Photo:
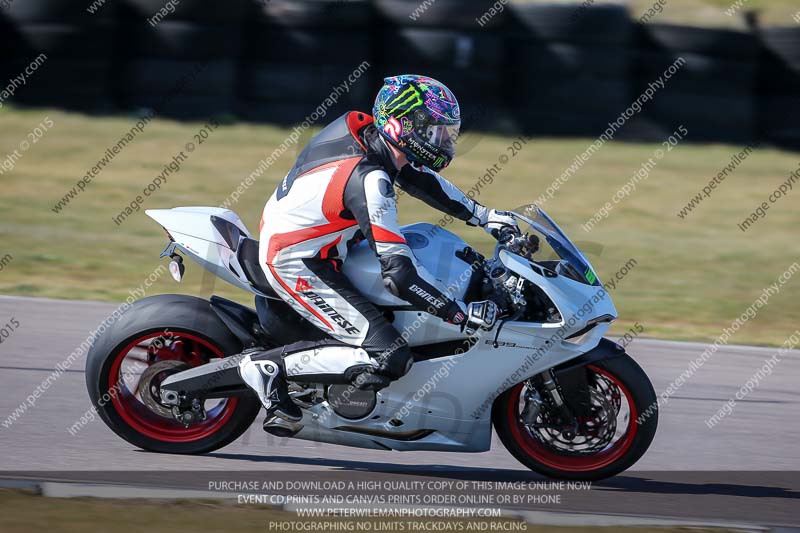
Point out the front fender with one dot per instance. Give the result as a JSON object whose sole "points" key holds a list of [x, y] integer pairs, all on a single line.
{"points": [[605, 349], [571, 378]]}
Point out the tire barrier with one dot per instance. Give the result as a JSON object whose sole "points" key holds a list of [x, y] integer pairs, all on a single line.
{"points": [[445, 40], [469, 63], [73, 54], [297, 52], [778, 87], [569, 67], [547, 69], [453, 14], [713, 94], [179, 58], [569, 23]]}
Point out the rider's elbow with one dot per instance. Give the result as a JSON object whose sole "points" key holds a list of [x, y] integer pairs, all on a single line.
{"points": [[395, 270]]}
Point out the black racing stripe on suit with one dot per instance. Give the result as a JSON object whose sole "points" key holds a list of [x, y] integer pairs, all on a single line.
{"points": [[401, 279], [382, 338], [333, 143], [424, 186], [355, 198], [378, 150], [399, 272], [277, 354]]}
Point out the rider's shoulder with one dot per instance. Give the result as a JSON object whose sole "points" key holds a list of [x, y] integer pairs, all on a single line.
{"points": [[354, 121]]}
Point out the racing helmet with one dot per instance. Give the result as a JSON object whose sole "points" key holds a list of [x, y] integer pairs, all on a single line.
{"points": [[419, 116]]}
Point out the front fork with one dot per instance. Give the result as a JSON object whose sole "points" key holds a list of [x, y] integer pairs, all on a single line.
{"points": [[544, 384]]}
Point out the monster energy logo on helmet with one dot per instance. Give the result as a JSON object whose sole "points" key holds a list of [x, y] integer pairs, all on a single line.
{"points": [[421, 149], [409, 99], [419, 116]]}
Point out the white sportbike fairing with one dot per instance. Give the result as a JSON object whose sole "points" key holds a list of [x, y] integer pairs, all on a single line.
{"points": [[538, 375]]}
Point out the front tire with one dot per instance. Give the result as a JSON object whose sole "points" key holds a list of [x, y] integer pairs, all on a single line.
{"points": [[636, 430], [168, 330]]}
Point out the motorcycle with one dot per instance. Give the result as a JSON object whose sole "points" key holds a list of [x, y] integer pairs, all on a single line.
{"points": [[565, 401]]}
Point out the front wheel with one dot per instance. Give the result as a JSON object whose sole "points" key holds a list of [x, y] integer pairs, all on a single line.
{"points": [[622, 424]]}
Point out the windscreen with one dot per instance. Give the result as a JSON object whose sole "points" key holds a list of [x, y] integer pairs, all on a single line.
{"points": [[572, 261]]}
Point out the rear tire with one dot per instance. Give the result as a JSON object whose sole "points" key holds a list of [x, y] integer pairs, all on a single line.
{"points": [[178, 318], [634, 386]]}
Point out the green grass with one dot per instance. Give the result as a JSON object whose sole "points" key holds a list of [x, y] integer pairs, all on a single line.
{"points": [[693, 276], [705, 13]]}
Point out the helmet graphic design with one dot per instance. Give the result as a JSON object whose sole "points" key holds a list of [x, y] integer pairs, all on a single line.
{"points": [[419, 116]]}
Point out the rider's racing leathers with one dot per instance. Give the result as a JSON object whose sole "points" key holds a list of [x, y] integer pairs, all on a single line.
{"points": [[340, 191]]}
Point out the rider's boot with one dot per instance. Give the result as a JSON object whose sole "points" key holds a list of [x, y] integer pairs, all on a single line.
{"points": [[325, 362], [263, 372]]}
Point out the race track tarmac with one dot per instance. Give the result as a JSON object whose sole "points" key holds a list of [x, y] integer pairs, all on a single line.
{"points": [[744, 469]]}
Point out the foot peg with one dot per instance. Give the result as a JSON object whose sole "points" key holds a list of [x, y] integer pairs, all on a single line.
{"points": [[287, 410], [280, 427]]}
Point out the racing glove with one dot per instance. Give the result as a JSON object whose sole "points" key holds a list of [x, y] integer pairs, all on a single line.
{"points": [[476, 315], [497, 221]]}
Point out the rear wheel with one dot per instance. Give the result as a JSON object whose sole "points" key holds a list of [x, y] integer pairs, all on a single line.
{"points": [[621, 425], [155, 338]]}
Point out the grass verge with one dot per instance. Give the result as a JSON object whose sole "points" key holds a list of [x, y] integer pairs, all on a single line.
{"points": [[693, 276]]}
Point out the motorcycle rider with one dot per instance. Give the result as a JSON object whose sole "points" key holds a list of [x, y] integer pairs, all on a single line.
{"points": [[340, 191]]}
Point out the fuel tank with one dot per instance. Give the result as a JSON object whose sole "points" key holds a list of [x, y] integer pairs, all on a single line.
{"points": [[433, 246]]}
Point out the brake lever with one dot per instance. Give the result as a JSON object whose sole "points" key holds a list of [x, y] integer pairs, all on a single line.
{"points": [[533, 242], [502, 323]]}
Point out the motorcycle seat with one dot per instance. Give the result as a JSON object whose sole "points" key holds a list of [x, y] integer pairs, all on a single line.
{"points": [[247, 254]]}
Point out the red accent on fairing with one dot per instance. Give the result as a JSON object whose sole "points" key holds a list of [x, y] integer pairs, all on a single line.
{"points": [[136, 415], [574, 464], [384, 235], [357, 120], [325, 251]]}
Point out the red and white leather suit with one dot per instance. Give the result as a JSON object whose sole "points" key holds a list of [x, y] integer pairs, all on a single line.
{"points": [[341, 190]]}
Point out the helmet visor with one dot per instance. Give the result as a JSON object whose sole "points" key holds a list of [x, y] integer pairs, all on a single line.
{"points": [[443, 136]]}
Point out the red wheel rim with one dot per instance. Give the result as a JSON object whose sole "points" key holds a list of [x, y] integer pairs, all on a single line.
{"points": [[568, 463], [194, 351]]}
